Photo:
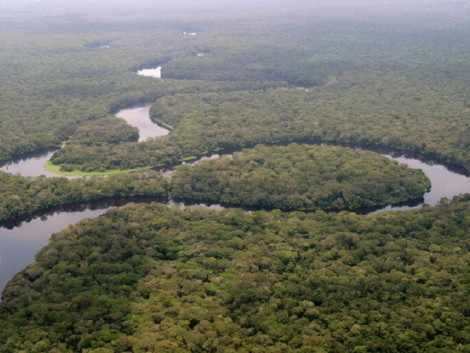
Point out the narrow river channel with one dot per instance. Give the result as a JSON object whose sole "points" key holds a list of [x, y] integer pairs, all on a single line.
{"points": [[19, 244]]}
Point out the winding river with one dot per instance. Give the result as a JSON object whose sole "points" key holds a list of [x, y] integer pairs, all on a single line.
{"points": [[444, 183], [140, 118], [19, 244]]}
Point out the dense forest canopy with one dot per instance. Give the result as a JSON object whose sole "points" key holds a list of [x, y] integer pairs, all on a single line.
{"points": [[300, 177], [68, 68], [289, 178], [147, 278], [235, 74], [20, 197]]}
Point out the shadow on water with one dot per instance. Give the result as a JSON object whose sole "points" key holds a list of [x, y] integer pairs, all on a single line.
{"points": [[30, 166], [139, 117], [78, 207], [22, 239], [406, 205]]}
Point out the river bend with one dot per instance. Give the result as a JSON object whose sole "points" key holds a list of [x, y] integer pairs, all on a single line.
{"points": [[19, 244]]}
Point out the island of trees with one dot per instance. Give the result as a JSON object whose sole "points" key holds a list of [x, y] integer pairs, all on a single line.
{"points": [[295, 177], [300, 177]]}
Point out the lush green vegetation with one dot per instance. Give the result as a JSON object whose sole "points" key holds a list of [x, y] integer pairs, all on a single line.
{"points": [[64, 171], [147, 278], [151, 279], [385, 80], [314, 178], [382, 114], [106, 130], [58, 79], [20, 197], [55, 87], [300, 177]]}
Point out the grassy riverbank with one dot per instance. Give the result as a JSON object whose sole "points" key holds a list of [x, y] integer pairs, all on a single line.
{"points": [[57, 169]]}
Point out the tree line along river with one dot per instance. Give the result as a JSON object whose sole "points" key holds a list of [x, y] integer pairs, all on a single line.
{"points": [[20, 243]]}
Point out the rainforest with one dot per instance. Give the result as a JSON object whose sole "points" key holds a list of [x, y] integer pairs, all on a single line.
{"points": [[283, 116]]}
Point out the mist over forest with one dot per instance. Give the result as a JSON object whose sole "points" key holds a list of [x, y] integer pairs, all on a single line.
{"points": [[263, 221], [262, 8]]}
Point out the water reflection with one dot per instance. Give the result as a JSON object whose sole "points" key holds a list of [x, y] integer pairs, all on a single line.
{"points": [[30, 166], [19, 245], [21, 240], [155, 72], [140, 118], [444, 183]]}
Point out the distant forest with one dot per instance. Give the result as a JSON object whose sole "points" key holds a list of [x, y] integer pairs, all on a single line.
{"points": [[266, 82], [375, 82]]}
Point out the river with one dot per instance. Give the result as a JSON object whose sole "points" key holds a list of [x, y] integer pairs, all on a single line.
{"points": [[19, 244], [155, 72], [31, 166], [444, 183], [140, 118]]}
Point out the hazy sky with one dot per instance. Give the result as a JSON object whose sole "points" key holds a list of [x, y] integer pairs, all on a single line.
{"points": [[345, 8], [220, 4]]}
